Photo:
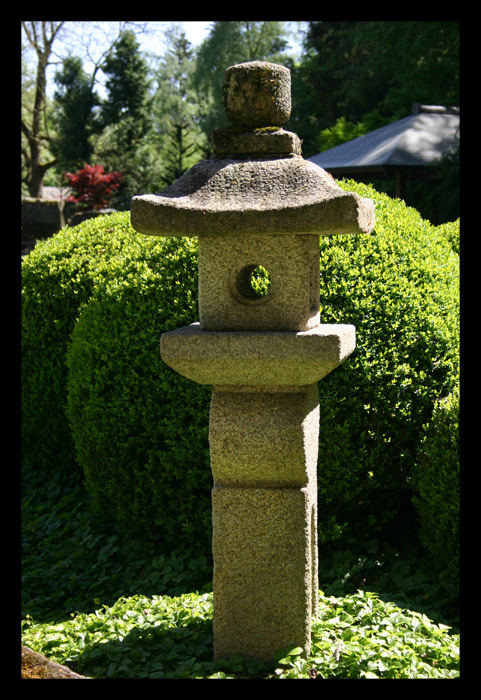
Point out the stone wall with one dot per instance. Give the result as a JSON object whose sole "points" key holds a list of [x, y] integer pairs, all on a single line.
{"points": [[41, 217]]}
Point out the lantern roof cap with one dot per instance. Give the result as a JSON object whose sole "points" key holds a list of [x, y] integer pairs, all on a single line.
{"points": [[264, 195], [257, 180]]}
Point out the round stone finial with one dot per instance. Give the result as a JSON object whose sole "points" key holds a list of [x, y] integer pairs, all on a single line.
{"points": [[257, 94]]}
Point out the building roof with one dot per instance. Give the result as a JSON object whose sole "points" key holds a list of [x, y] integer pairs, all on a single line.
{"points": [[421, 139]]}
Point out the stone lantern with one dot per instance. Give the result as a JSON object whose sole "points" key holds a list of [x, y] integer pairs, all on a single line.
{"points": [[258, 207]]}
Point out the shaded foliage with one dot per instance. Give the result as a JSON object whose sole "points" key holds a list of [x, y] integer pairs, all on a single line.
{"points": [[362, 70], [436, 484], [74, 103]]}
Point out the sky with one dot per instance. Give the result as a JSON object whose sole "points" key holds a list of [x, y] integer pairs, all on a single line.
{"points": [[198, 31], [151, 41]]}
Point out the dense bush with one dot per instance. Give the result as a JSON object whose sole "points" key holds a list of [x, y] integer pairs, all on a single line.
{"points": [[436, 483], [450, 231], [58, 278], [399, 287], [141, 430]]}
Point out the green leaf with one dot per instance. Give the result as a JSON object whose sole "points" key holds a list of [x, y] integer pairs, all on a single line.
{"points": [[296, 651]]}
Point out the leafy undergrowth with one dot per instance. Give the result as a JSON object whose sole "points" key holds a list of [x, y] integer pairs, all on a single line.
{"points": [[109, 608], [356, 636]]}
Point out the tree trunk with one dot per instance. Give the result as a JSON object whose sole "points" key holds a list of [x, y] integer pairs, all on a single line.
{"points": [[41, 36], [37, 172]]}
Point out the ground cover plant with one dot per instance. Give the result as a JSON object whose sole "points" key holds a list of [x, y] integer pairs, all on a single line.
{"points": [[108, 607], [159, 637]]}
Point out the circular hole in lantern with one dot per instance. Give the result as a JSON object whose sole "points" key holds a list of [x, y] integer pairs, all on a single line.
{"points": [[253, 282]]}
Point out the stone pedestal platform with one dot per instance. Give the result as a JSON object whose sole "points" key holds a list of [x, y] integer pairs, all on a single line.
{"points": [[254, 358]]}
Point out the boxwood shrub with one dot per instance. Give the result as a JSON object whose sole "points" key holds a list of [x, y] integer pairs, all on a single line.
{"points": [[436, 484], [140, 430], [400, 287], [450, 231], [58, 277]]}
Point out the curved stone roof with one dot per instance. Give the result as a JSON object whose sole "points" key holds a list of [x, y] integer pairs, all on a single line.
{"points": [[283, 195]]}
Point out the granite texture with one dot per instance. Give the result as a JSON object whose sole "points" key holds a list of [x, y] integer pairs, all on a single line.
{"points": [[233, 142], [257, 93], [255, 358], [265, 570], [263, 438], [263, 196], [225, 299]]}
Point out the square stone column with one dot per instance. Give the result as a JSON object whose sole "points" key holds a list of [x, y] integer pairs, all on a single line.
{"points": [[265, 574], [263, 447]]}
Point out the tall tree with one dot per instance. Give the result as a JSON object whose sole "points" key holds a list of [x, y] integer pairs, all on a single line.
{"points": [[126, 116], [375, 71], [127, 86], [40, 36], [74, 102], [229, 43], [181, 141]]}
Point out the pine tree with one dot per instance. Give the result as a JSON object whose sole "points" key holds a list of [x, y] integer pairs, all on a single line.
{"points": [[74, 102], [124, 144], [181, 142], [127, 104]]}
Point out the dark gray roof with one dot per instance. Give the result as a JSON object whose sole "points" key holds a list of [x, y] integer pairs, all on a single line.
{"points": [[417, 140]]}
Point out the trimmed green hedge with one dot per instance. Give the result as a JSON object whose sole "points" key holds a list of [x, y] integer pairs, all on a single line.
{"points": [[140, 430], [400, 287], [436, 483], [450, 231], [58, 279]]}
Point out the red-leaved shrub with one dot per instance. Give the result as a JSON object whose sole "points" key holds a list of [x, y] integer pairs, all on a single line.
{"points": [[92, 186]]}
